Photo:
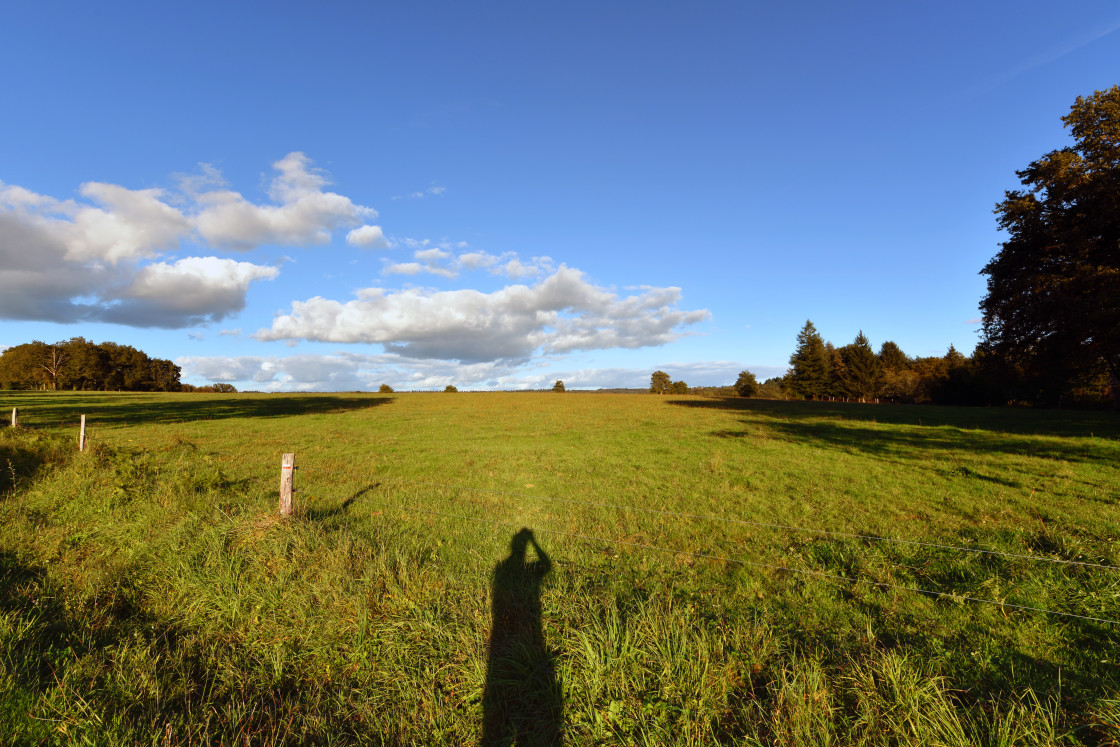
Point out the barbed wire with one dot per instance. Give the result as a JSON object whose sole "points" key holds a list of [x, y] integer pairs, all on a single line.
{"points": [[746, 522], [738, 561]]}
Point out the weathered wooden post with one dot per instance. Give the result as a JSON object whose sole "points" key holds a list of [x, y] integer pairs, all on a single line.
{"points": [[15, 417], [287, 477], [82, 435]]}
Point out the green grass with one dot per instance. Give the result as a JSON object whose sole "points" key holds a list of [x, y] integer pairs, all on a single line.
{"points": [[149, 594]]}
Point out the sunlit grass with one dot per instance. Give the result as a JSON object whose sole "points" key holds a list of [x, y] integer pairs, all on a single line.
{"points": [[148, 589]]}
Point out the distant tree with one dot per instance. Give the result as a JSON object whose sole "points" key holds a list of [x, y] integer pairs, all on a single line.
{"points": [[954, 358], [86, 367], [164, 375], [1052, 310], [52, 360], [809, 364], [746, 385], [678, 387], [891, 357], [660, 383], [861, 369], [385, 389], [19, 367], [899, 385], [223, 388], [773, 388], [558, 386], [837, 372], [450, 388]]}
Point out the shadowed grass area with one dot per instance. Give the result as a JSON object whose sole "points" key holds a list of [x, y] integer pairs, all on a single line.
{"points": [[148, 591], [51, 409]]}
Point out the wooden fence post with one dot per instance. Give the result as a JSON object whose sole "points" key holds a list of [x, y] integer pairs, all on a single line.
{"points": [[82, 435], [15, 417], [287, 477]]}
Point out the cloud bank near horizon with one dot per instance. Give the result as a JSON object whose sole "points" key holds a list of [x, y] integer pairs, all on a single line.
{"points": [[345, 371]]}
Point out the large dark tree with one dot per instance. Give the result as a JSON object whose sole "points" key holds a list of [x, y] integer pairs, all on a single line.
{"points": [[861, 369], [1053, 305], [891, 357], [809, 364]]}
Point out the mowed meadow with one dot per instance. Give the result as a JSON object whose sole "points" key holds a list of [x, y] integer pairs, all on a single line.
{"points": [[666, 592]]}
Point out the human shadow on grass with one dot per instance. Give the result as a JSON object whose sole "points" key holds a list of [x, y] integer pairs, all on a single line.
{"points": [[138, 409], [522, 700]]}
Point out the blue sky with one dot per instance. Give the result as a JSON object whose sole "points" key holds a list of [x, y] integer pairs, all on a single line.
{"points": [[334, 196]]}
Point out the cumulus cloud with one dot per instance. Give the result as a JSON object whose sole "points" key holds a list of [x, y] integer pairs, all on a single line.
{"points": [[99, 258], [367, 237], [191, 291], [562, 313], [302, 212], [124, 225]]}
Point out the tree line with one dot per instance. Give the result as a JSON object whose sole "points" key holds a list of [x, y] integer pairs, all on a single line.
{"points": [[79, 364], [857, 373], [1051, 314]]}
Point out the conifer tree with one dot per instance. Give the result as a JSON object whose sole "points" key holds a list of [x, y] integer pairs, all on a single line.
{"points": [[891, 357], [861, 369], [809, 364]]}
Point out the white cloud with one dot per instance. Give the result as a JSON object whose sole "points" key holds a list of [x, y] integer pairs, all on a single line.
{"points": [[129, 224], [344, 371], [98, 259], [433, 191], [404, 268], [236, 332], [191, 291], [559, 314], [439, 259], [367, 237], [303, 213]]}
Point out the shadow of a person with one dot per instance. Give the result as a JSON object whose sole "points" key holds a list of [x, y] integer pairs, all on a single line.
{"points": [[522, 702]]}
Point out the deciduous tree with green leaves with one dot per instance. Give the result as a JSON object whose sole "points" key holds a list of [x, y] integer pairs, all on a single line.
{"points": [[746, 385], [660, 383]]}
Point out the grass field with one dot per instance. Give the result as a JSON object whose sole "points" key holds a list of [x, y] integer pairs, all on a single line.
{"points": [[149, 594]]}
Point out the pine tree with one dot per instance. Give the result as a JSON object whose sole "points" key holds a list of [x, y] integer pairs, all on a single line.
{"points": [[861, 369], [809, 364], [891, 357]]}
